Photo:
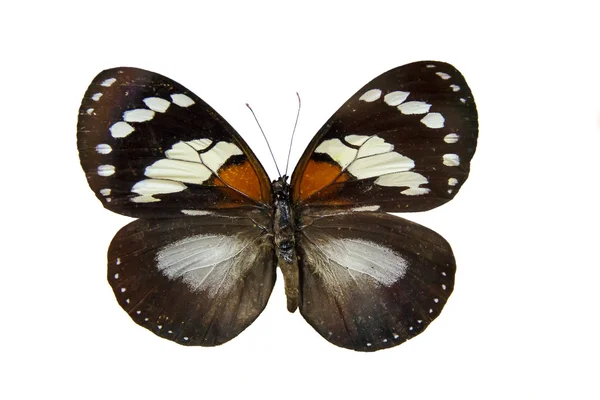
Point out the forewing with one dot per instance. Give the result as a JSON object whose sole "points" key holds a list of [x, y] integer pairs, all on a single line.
{"points": [[372, 280], [151, 148], [403, 142], [195, 281]]}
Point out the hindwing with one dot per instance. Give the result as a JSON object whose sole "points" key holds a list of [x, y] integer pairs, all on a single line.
{"points": [[372, 280], [194, 280]]}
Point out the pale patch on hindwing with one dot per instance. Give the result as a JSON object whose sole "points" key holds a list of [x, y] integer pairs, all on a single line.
{"points": [[339, 261], [207, 262]]}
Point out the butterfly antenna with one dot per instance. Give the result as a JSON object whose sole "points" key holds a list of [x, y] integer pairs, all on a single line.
{"points": [[263, 133], [287, 164]]}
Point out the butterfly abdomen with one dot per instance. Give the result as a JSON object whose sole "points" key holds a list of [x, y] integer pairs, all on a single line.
{"points": [[283, 227]]}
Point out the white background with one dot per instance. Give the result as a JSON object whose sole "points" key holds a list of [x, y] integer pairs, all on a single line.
{"points": [[523, 320]]}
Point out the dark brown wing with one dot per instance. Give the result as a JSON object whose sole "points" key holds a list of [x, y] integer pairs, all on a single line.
{"points": [[195, 280], [372, 280], [151, 148], [402, 143]]}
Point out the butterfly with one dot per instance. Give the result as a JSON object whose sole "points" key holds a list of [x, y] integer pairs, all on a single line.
{"points": [[198, 265]]}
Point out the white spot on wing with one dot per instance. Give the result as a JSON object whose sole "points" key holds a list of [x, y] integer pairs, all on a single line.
{"points": [[395, 98], [183, 151], [89, 111], [356, 140], [182, 100], [105, 192], [108, 82], [338, 151], [430, 66], [375, 145], [150, 187], [106, 170], [371, 95], [96, 96], [103, 149], [380, 164], [175, 170], [188, 151], [366, 208], [196, 212], [433, 120], [443, 75], [451, 138], [121, 129], [451, 160], [414, 107], [455, 88], [157, 104], [409, 179], [138, 115], [452, 181], [200, 144], [219, 154]]}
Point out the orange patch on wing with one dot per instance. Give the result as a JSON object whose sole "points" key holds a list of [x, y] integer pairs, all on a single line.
{"points": [[242, 177], [317, 175]]}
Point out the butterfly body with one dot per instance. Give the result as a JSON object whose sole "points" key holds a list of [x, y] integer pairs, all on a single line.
{"points": [[285, 242], [198, 266]]}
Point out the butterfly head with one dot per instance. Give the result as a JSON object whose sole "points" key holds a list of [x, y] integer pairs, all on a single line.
{"points": [[281, 189]]}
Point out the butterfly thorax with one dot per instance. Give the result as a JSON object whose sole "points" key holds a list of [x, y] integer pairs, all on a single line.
{"points": [[283, 228]]}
